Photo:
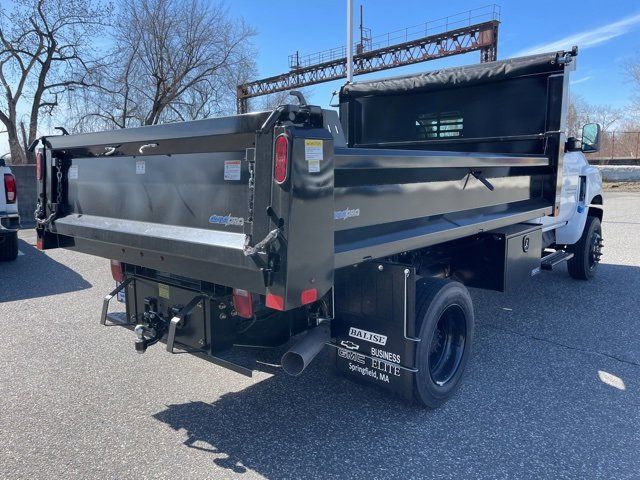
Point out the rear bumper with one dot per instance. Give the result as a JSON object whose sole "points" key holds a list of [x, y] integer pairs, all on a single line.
{"points": [[207, 255]]}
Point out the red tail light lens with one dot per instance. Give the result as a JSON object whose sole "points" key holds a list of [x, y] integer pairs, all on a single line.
{"points": [[281, 160], [243, 303], [116, 271], [10, 190], [39, 165]]}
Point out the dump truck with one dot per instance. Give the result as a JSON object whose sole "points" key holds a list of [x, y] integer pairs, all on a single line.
{"points": [[359, 229]]}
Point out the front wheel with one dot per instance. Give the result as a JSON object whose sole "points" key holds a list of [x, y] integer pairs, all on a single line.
{"points": [[587, 251], [445, 320]]}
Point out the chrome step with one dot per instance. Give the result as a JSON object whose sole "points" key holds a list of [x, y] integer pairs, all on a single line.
{"points": [[554, 259]]}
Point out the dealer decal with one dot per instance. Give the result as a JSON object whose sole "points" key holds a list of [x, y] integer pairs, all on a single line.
{"points": [[379, 372], [353, 356], [390, 356], [349, 344], [368, 336]]}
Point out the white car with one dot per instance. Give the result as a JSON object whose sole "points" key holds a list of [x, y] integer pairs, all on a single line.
{"points": [[9, 218]]}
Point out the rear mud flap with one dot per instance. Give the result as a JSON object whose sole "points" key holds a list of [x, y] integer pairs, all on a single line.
{"points": [[373, 332]]}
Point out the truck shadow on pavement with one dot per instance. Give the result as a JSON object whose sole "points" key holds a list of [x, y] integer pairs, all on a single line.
{"points": [[35, 274], [534, 402]]}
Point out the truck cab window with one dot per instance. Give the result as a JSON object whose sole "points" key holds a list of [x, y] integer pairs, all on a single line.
{"points": [[439, 125]]}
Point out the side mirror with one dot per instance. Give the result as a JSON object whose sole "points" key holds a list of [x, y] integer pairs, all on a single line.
{"points": [[590, 138]]}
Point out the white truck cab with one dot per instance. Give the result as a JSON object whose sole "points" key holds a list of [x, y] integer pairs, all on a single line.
{"points": [[9, 218], [581, 194], [577, 225]]}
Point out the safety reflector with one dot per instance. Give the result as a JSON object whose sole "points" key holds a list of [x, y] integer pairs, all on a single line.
{"points": [[309, 296], [243, 303], [275, 301], [116, 271]]}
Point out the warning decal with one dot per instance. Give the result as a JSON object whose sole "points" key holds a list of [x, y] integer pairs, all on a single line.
{"points": [[163, 290], [313, 154], [140, 167], [232, 169]]}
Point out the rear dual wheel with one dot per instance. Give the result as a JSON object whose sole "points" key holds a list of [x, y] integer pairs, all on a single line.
{"points": [[445, 322]]}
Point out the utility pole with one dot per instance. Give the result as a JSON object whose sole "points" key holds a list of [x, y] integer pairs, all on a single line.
{"points": [[361, 31], [349, 41]]}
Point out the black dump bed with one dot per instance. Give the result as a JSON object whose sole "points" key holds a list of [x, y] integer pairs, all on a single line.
{"points": [[426, 159]]}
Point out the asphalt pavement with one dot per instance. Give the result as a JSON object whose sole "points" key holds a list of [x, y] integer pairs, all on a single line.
{"points": [[552, 391]]}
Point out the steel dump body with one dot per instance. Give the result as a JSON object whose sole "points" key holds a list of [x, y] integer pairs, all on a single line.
{"points": [[189, 198], [419, 198]]}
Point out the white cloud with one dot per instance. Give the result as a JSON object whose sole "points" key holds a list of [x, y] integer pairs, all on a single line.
{"points": [[580, 80], [586, 39]]}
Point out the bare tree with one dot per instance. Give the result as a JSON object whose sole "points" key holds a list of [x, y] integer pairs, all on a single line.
{"points": [[575, 116], [43, 53], [581, 112], [172, 60], [633, 72], [272, 100]]}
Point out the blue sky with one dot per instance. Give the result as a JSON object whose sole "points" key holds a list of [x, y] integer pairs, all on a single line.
{"points": [[608, 34]]}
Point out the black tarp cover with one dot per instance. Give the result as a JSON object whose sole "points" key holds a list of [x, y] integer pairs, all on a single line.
{"points": [[458, 76]]}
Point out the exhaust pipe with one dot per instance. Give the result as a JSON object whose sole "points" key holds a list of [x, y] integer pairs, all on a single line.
{"points": [[304, 351]]}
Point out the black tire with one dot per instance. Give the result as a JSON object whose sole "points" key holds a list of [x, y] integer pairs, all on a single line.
{"points": [[587, 251], [8, 246], [445, 322]]}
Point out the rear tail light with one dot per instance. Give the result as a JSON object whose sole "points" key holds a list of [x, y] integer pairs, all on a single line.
{"points": [[39, 166], [281, 159], [10, 190], [243, 303], [116, 271]]}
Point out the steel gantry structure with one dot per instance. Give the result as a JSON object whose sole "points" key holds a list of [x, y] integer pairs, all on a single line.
{"points": [[474, 30]]}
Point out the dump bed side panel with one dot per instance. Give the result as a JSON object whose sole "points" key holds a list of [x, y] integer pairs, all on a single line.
{"points": [[391, 201]]}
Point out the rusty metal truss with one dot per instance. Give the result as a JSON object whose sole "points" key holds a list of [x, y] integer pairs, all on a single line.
{"points": [[481, 37]]}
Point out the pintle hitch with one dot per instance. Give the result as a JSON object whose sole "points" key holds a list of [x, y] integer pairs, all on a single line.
{"points": [[153, 327]]}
